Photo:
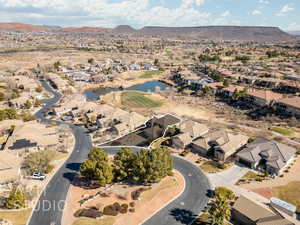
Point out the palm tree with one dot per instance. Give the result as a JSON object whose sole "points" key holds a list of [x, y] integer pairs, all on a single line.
{"points": [[220, 211]]}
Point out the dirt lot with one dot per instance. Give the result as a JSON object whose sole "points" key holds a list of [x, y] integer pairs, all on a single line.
{"points": [[150, 200]]}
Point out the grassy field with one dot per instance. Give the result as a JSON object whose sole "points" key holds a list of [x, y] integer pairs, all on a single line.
{"points": [[165, 184], [150, 74], [88, 221], [282, 130], [137, 99], [16, 217], [289, 193]]}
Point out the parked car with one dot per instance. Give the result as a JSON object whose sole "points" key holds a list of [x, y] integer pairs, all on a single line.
{"points": [[38, 176]]}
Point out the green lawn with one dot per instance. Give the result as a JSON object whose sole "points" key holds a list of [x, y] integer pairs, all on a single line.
{"points": [[289, 193], [282, 130], [150, 74], [16, 217], [138, 99], [89, 221]]}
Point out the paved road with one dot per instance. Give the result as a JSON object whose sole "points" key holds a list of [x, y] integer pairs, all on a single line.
{"points": [[182, 210]]}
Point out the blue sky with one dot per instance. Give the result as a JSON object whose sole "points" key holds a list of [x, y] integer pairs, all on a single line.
{"points": [[139, 13]]}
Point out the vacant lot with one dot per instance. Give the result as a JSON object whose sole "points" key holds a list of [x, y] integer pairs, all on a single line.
{"points": [[136, 99], [16, 217], [289, 193]]}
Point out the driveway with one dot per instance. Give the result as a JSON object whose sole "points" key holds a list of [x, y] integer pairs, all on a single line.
{"points": [[229, 176]]}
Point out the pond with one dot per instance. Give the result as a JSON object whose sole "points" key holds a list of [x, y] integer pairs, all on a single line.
{"points": [[150, 86]]}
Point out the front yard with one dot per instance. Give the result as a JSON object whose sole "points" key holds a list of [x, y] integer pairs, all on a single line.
{"points": [[17, 217]]}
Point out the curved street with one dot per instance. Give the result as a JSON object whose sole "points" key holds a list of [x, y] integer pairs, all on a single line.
{"points": [[48, 211]]}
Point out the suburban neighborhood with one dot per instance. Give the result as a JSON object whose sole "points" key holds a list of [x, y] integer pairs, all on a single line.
{"points": [[149, 126]]}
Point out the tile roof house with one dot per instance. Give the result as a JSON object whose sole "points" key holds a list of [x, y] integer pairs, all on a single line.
{"points": [[220, 143], [290, 105], [189, 130], [267, 155], [250, 212], [263, 97]]}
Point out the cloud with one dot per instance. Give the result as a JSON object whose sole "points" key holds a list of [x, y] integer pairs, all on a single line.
{"points": [[285, 9], [104, 13], [226, 13], [264, 1], [256, 12]]}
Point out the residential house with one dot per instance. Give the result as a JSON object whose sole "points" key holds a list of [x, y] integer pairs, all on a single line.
{"points": [[289, 106], [266, 155], [262, 97], [247, 211], [220, 143], [189, 130]]}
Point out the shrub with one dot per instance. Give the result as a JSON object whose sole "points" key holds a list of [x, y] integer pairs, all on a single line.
{"points": [[124, 208], [117, 206], [132, 210], [110, 211], [16, 199], [222, 166], [135, 195], [132, 204], [91, 213]]}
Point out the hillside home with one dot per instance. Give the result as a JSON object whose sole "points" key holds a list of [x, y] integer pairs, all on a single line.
{"points": [[267, 156]]}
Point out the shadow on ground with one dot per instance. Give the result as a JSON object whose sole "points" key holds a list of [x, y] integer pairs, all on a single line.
{"points": [[183, 216]]}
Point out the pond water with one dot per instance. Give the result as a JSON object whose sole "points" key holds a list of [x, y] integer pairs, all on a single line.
{"points": [[150, 86]]}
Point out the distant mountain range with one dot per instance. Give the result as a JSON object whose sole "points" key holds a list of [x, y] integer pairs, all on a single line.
{"points": [[215, 33], [297, 32]]}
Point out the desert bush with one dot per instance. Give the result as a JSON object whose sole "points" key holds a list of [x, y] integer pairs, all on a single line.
{"points": [[91, 213], [135, 195], [124, 208], [132, 204], [132, 210], [110, 210]]}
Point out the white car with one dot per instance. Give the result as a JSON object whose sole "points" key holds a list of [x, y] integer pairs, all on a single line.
{"points": [[38, 176]]}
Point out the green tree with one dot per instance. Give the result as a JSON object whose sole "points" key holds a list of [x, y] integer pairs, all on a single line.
{"points": [[28, 104], [87, 169], [150, 166], [223, 192], [98, 154], [220, 211], [56, 65], [38, 161], [97, 167], [104, 173], [122, 164], [226, 83], [16, 200]]}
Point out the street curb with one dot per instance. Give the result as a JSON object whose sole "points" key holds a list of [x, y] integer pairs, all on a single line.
{"points": [[173, 199]]}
